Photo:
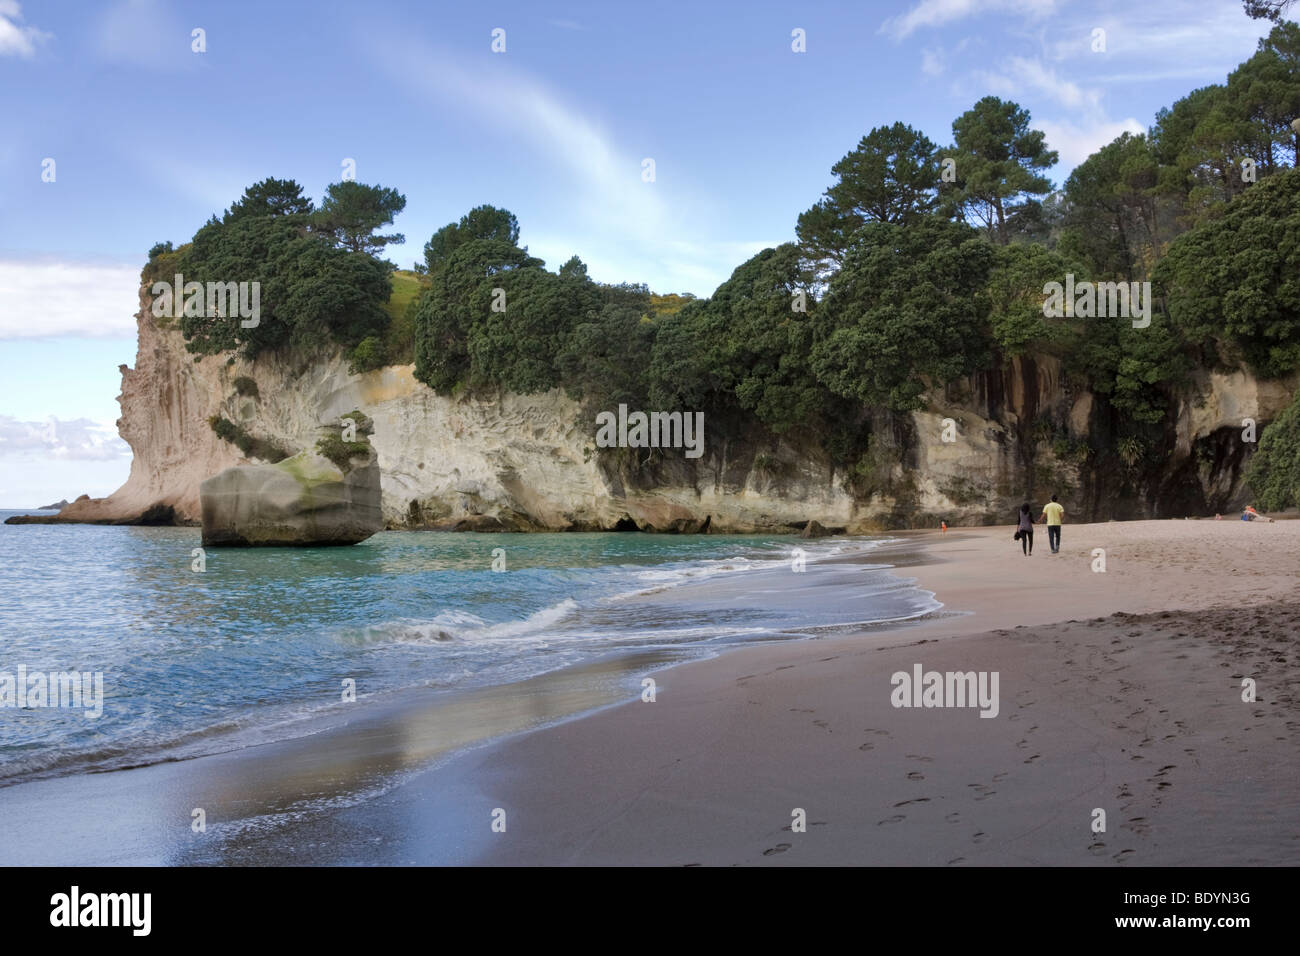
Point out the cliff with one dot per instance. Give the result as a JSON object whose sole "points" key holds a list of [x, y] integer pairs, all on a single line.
{"points": [[524, 462]]}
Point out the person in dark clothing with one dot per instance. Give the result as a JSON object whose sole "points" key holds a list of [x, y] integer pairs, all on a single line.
{"points": [[1026, 529]]}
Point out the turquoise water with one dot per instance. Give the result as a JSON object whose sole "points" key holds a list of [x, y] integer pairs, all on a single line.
{"points": [[252, 648]]}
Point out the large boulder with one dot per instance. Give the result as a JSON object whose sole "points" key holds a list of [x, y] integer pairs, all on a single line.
{"points": [[303, 500]]}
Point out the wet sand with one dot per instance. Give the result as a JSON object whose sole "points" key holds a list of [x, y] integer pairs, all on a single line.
{"points": [[1130, 703], [1119, 691]]}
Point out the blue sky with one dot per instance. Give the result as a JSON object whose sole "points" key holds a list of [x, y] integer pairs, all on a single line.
{"points": [[149, 138]]}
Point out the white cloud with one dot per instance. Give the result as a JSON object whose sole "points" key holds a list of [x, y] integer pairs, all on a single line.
{"points": [[1022, 75], [1077, 127], [937, 13], [17, 40], [1075, 142], [44, 298], [932, 62], [81, 439], [625, 229]]}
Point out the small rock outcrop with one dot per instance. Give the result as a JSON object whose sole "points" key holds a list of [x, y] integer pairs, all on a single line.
{"points": [[814, 530], [303, 500]]}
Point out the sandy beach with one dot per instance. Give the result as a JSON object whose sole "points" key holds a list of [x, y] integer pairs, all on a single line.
{"points": [[1117, 691], [1120, 691]]}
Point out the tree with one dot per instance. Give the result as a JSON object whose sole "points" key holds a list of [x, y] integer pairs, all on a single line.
{"points": [[1266, 9], [1015, 294], [351, 212], [1265, 92], [464, 259], [891, 176], [1111, 216], [1274, 471], [312, 296], [998, 159], [270, 197], [1236, 280], [905, 313], [481, 222]]}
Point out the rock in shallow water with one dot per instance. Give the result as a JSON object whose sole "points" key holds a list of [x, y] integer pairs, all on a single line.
{"points": [[303, 500]]}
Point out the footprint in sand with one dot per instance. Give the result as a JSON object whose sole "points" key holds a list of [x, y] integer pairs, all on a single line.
{"points": [[999, 777], [916, 775], [1122, 855], [957, 859], [953, 817], [920, 758], [867, 747], [779, 848], [1033, 758], [979, 837], [903, 803], [802, 710], [1097, 849], [821, 723], [896, 818]]}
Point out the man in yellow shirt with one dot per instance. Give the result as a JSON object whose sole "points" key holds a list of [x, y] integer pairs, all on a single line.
{"points": [[1052, 513]]}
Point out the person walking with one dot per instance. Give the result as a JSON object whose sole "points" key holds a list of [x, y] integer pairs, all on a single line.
{"points": [[1025, 530], [1052, 514]]}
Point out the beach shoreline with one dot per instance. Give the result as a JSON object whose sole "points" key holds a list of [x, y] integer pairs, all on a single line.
{"points": [[1118, 691]]}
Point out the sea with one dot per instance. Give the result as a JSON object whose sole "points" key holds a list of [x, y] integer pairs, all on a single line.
{"points": [[233, 647]]}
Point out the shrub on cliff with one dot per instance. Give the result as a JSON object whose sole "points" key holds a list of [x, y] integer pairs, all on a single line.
{"points": [[1274, 471], [312, 294], [250, 445], [1236, 280], [905, 312]]}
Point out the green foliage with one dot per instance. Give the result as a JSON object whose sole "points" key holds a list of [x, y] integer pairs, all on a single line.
{"points": [[368, 355], [892, 176], [1112, 212], [1274, 471], [351, 212], [245, 386], [998, 162], [481, 222], [454, 312], [312, 295], [1236, 280], [250, 445], [904, 313], [270, 197], [342, 452], [1015, 294]]}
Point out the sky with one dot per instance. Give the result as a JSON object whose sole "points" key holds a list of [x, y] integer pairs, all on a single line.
{"points": [[116, 133]]}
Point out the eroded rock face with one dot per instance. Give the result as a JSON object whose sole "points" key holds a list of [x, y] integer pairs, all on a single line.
{"points": [[527, 462], [303, 500]]}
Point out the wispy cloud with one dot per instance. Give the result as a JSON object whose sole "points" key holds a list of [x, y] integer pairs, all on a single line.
{"points": [[624, 228], [44, 298], [16, 39], [602, 179], [80, 439], [938, 13]]}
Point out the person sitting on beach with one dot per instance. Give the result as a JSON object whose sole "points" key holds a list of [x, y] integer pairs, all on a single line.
{"points": [[1025, 530], [1052, 514]]}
